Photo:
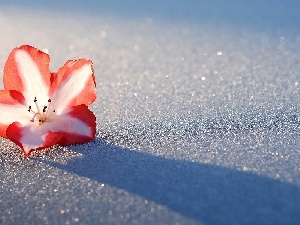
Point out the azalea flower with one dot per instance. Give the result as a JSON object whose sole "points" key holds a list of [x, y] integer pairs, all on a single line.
{"points": [[38, 108]]}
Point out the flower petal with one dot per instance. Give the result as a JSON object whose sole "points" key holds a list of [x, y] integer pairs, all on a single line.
{"points": [[12, 110], [75, 126], [27, 71], [78, 125], [32, 137], [73, 84]]}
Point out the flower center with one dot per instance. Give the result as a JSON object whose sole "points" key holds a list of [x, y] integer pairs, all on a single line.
{"points": [[41, 114]]}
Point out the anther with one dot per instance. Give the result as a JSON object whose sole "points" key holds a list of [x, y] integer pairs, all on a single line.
{"points": [[35, 99], [44, 109], [29, 109], [49, 100]]}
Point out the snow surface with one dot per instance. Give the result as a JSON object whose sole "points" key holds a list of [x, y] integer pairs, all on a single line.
{"points": [[197, 114]]}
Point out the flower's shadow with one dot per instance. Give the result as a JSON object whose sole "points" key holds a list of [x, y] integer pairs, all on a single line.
{"points": [[210, 194]]}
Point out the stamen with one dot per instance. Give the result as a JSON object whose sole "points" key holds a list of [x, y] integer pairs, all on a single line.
{"points": [[31, 111], [47, 107], [42, 115], [37, 106]]}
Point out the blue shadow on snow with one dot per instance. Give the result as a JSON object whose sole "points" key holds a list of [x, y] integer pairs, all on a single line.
{"points": [[206, 193]]}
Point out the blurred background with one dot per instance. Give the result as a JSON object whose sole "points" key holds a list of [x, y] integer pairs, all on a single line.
{"points": [[263, 14]]}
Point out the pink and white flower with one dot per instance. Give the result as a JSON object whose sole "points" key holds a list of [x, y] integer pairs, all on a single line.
{"points": [[38, 108]]}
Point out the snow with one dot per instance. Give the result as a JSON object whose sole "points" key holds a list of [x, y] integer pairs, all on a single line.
{"points": [[197, 114]]}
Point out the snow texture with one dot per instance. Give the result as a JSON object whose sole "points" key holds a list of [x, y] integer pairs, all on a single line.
{"points": [[197, 112]]}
